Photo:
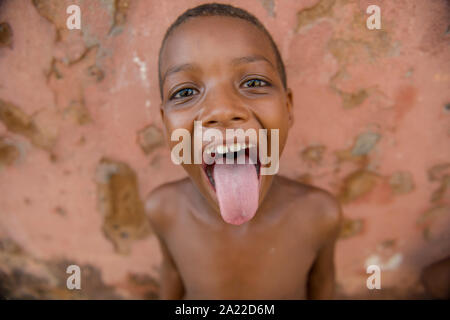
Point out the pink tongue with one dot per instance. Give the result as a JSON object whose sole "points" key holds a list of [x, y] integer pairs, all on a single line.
{"points": [[237, 189]]}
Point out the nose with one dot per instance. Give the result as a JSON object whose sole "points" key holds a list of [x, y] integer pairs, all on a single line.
{"points": [[223, 109]]}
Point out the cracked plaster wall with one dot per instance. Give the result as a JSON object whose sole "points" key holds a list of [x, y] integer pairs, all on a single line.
{"points": [[81, 142]]}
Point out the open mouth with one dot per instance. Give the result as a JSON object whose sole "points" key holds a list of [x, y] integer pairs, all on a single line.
{"points": [[229, 153], [233, 171]]}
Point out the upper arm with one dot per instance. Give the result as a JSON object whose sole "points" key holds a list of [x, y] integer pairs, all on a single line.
{"points": [[171, 286], [321, 280]]}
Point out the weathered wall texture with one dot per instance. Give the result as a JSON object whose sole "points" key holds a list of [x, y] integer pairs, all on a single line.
{"points": [[81, 146]]}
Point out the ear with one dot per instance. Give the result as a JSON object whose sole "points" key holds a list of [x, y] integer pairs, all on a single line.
{"points": [[289, 105]]}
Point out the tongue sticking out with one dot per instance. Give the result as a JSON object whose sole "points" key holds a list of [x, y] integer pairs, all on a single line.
{"points": [[237, 189]]}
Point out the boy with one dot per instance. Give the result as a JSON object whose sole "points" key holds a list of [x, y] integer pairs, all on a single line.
{"points": [[227, 231]]}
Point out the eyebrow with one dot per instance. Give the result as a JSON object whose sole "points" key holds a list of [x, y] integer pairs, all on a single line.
{"points": [[236, 61], [178, 68]]}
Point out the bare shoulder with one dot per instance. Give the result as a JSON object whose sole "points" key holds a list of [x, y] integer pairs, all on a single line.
{"points": [[322, 204], [162, 204]]}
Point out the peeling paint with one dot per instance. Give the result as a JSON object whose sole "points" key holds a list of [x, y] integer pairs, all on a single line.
{"points": [[150, 138], [6, 35], [97, 73], [346, 155], [54, 12], [156, 161], [392, 263], [439, 171], [143, 285], [142, 69], [351, 228], [119, 202], [313, 154], [60, 211], [119, 11], [365, 143], [9, 153], [269, 5], [401, 182], [356, 45], [23, 276], [20, 123], [77, 112], [305, 17], [430, 218], [387, 244], [357, 184], [351, 100], [443, 191]]}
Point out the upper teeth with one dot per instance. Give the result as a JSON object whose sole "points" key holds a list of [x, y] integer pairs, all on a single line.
{"points": [[222, 149], [234, 148]]}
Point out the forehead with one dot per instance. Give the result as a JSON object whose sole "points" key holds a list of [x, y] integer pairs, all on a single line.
{"points": [[214, 39]]}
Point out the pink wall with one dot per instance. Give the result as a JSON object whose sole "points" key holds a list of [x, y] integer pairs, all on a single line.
{"points": [[80, 144]]}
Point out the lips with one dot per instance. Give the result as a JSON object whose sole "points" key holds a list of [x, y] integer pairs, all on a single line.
{"points": [[234, 173]]}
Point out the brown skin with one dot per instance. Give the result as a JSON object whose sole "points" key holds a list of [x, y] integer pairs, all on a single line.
{"points": [[284, 252], [436, 279]]}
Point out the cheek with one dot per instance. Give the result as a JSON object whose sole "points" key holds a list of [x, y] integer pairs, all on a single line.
{"points": [[173, 122], [275, 116]]}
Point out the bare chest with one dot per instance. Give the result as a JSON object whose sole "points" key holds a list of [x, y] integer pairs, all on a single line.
{"points": [[259, 265]]}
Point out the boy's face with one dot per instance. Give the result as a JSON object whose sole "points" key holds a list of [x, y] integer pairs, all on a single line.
{"points": [[222, 71]]}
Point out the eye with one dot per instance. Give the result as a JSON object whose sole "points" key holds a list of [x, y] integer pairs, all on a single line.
{"points": [[183, 93], [254, 83]]}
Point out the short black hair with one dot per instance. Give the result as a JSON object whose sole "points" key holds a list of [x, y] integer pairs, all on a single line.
{"points": [[223, 10]]}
